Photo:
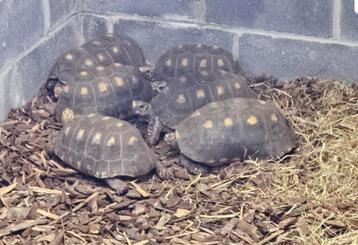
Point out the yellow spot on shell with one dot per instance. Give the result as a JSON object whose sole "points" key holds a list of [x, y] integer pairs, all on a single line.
{"points": [[220, 90], [89, 62], [208, 124], [115, 49], [103, 87], [119, 81], [119, 125], [184, 62], [220, 62], [200, 93], [67, 130], [67, 115], [237, 85], [106, 118], [195, 114], [211, 162], [180, 99], [182, 79], [79, 135], [251, 120], [228, 122], [177, 135], [100, 68], [83, 73], [132, 140], [204, 73], [117, 64], [111, 141], [203, 63], [168, 62], [84, 91], [274, 117], [97, 138], [91, 115], [69, 57], [100, 57]]}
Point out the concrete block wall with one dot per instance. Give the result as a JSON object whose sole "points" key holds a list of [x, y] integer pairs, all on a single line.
{"points": [[283, 38]]}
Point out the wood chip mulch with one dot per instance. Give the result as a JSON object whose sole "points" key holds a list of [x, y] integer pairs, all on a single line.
{"points": [[309, 197]]}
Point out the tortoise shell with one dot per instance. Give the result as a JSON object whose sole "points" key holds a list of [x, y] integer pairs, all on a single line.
{"points": [[204, 61], [104, 147], [101, 51], [117, 48], [188, 94], [108, 91], [234, 129]]}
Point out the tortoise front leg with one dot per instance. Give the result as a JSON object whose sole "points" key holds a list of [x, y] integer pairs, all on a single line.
{"points": [[191, 166], [155, 127], [118, 185]]}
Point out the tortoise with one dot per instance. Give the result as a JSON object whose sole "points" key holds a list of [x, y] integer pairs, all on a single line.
{"points": [[106, 148], [183, 97], [108, 91], [204, 61], [232, 130], [101, 51]]}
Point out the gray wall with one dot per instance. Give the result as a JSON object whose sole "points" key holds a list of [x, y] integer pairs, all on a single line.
{"points": [[284, 38]]}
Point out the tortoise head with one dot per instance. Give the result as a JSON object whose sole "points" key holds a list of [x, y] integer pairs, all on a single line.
{"points": [[141, 108], [171, 139], [159, 86]]}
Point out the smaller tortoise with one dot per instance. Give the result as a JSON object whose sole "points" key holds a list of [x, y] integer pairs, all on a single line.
{"points": [[106, 148], [179, 99], [232, 130], [204, 61], [108, 91]]}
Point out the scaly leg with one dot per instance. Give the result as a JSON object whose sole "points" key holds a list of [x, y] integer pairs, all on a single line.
{"points": [[155, 127], [118, 185], [191, 166]]}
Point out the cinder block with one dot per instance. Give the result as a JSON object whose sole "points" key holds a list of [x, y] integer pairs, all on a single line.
{"points": [[93, 26], [60, 10], [304, 17], [288, 59], [156, 38], [173, 9], [21, 25], [349, 21], [21, 81]]}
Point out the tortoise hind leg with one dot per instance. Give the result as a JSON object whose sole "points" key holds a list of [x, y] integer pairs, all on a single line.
{"points": [[163, 172], [118, 185], [155, 127], [191, 166]]}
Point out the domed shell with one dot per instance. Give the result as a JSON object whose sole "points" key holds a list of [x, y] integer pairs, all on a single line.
{"points": [[117, 48], [204, 61], [108, 91], [188, 94], [71, 63], [104, 147], [234, 129], [101, 51]]}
